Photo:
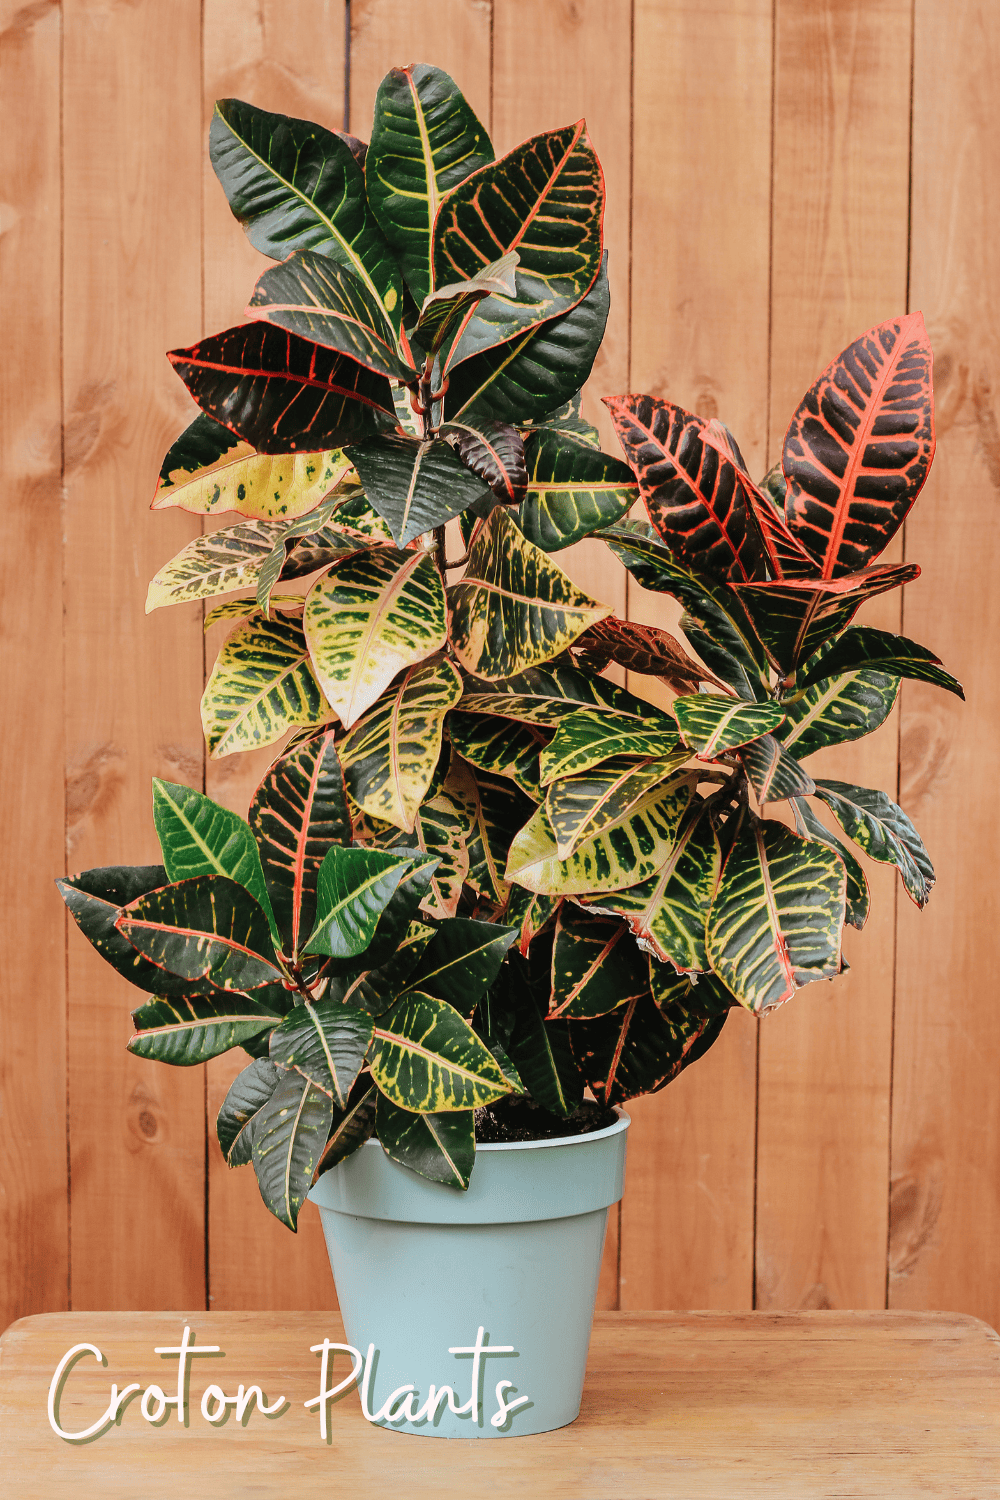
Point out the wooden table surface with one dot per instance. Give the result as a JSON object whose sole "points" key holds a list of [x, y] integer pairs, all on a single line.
{"points": [[692, 1405]]}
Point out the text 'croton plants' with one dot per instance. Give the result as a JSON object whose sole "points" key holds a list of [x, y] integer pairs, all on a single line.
{"points": [[479, 869]]}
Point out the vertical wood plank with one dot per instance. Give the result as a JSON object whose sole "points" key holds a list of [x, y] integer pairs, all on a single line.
{"points": [[289, 59], [841, 163], [132, 289], [450, 34], [33, 1199], [945, 1218], [700, 231]]}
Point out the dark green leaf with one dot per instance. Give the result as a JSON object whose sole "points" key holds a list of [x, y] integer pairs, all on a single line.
{"points": [[185, 1032], [429, 1059], [205, 928], [810, 827], [352, 1127], [567, 420], [415, 486], [501, 746], [354, 888], [376, 990], [640, 1048], [200, 837], [711, 724], [446, 310], [883, 831], [326, 1042], [596, 965], [837, 710], [571, 491], [462, 961], [439, 1146], [95, 898], [862, 646], [540, 1049], [774, 774], [289, 1135], [500, 809], [248, 1094]]}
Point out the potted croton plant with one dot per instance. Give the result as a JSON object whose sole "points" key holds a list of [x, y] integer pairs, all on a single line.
{"points": [[485, 895]]}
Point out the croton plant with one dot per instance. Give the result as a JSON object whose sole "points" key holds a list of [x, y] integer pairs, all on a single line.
{"points": [[480, 867]]}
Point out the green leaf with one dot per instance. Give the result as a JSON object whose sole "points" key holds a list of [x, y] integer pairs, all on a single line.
{"points": [[596, 965], [589, 736], [862, 646], [445, 820], [314, 297], [326, 1042], [297, 813], [646, 799], [430, 1060], [289, 1135], [425, 141], [572, 491], [535, 373], [462, 961], [667, 913], [883, 831], [199, 837], [445, 311], [394, 923], [217, 563], [501, 746], [295, 186], [261, 686], [351, 1128], [205, 928], [247, 1095], [810, 827], [370, 617], [567, 420], [390, 755], [837, 710], [547, 695], [308, 545], [500, 811], [95, 898], [439, 1146], [377, 989], [353, 890], [246, 608], [778, 915], [200, 446], [642, 1047], [514, 608], [544, 199], [413, 485], [539, 1048], [530, 913], [711, 724], [186, 1032], [774, 774], [260, 486]]}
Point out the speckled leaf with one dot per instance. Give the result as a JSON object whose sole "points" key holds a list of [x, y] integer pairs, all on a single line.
{"points": [[261, 686], [596, 965], [883, 831], [837, 710], [429, 1059], [413, 485], [248, 1093], [351, 1128], [217, 563], [203, 444], [501, 746], [530, 913], [711, 724], [445, 821], [514, 608], [462, 961], [390, 754], [862, 646], [774, 774], [376, 990], [500, 811], [567, 420], [547, 695], [441, 1147], [647, 797], [245, 608], [326, 1042], [186, 1032], [261, 486], [205, 928], [810, 827], [199, 837], [642, 1047], [778, 915], [354, 888], [571, 491], [538, 1047], [367, 619], [589, 736], [95, 897], [289, 1135], [311, 543]]}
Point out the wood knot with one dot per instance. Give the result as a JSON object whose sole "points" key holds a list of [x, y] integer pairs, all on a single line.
{"points": [[92, 787], [915, 1201], [144, 1118], [925, 751]]}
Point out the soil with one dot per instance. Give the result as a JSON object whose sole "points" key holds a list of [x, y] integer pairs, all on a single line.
{"points": [[514, 1119]]}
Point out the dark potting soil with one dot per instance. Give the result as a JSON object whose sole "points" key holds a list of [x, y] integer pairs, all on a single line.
{"points": [[524, 1120]]}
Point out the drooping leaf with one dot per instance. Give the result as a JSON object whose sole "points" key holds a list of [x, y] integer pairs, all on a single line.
{"points": [[500, 746], [514, 608], [390, 754], [858, 448], [642, 1047], [370, 617], [777, 917], [441, 1146], [540, 1048], [494, 451], [248, 1093], [567, 420], [837, 710], [307, 545], [217, 563], [863, 646], [462, 961], [425, 141], [297, 813], [186, 1032], [640, 648], [289, 1134], [415, 486], [446, 310], [786, 557], [429, 1059], [282, 393], [691, 491], [530, 913], [544, 199], [200, 837], [774, 774], [794, 618], [326, 1042], [548, 694], [260, 486], [295, 186], [647, 798], [883, 831], [205, 928], [810, 827], [711, 724], [262, 685], [571, 491], [352, 1127], [668, 911], [500, 810], [312, 296], [535, 373], [596, 965], [354, 888]]}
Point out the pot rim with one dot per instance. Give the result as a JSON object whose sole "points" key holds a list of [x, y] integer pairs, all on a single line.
{"points": [[622, 1123]]}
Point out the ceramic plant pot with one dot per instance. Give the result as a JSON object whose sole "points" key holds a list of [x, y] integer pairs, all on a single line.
{"points": [[469, 1314]]}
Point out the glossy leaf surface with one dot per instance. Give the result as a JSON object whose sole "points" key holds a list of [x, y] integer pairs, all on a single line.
{"points": [[186, 1032], [596, 965], [500, 810], [441, 1147], [326, 1043], [530, 913], [289, 1134], [430, 1060], [494, 451], [774, 774], [572, 490], [548, 694], [205, 928], [538, 1047], [862, 646], [261, 686], [883, 831], [353, 889], [786, 557], [501, 746], [376, 990], [648, 797], [446, 310], [614, 861], [640, 1048], [94, 899], [200, 837], [640, 648], [711, 724], [247, 1095], [217, 563], [462, 961], [351, 1128], [837, 710], [811, 827], [260, 486], [413, 485]]}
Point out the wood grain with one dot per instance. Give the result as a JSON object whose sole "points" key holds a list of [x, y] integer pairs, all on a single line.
{"points": [[701, 185], [132, 289], [839, 236], [289, 59], [33, 1188], [704, 1406], [450, 34], [945, 1216]]}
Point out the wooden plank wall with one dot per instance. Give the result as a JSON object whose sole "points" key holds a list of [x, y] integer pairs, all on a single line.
{"points": [[781, 174]]}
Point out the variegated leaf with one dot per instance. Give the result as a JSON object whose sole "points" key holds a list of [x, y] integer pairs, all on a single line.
{"points": [[501, 746], [446, 311], [326, 1042], [493, 451], [289, 1134], [245, 607], [247, 1095], [620, 791], [613, 861], [571, 491], [367, 619], [217, 563], [415, 486], [500, 811], [261, 686], [711, 724], [353, 890], [514, 608], [207, 928], [429, 1059], [774, 774], [588, 736], [810, 827], [547, 695], [837, 710], [786, 557], [316, 541], [539, 1047], [200, 837], [352, 1127], [446, 820], [390, 754], [883, 831], [642, 1047], [596, 965], [567, 420], [186, 1032], [640, 648], [375, 990], [530, 913], [441, 1147], [777, 917], [261, 486], [880, 651], [462, 962]]}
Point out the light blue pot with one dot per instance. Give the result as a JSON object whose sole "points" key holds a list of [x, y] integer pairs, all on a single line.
{"points": [[421, 1269]]}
